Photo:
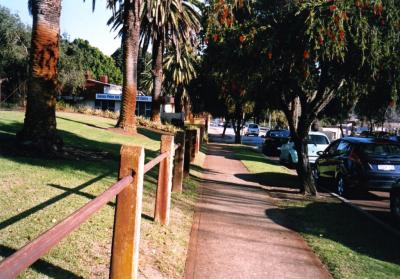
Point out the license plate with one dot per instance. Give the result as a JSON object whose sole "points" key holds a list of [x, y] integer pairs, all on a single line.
{"points": [[386, 167]]}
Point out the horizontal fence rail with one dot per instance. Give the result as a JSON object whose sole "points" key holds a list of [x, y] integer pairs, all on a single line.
{"points": [[24, 257], [151, 164], [127, 218]]}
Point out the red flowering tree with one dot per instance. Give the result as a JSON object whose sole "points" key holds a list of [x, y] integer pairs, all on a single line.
{"points": [[304, 52]]}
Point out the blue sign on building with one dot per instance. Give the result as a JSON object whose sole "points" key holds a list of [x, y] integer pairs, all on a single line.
{"points": [[115, 97]]}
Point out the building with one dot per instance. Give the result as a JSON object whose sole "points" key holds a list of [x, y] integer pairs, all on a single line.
{"points": [[106, 96], [100, 94]]}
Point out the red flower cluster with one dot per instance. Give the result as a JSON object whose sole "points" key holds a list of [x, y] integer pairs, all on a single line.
{"points": [[306, 55]]}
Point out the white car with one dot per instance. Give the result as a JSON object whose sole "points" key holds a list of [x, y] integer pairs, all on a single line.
{"points": [[252, 129], [316, 142]]}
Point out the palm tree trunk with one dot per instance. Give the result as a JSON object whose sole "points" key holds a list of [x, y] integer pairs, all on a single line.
{"points": [[158, 49], [130, 48], [39, 130]]}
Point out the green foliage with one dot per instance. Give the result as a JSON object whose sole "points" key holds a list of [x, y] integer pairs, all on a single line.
{"points": [[144, 70], [14, 49], [15, 43], [77, 58]]}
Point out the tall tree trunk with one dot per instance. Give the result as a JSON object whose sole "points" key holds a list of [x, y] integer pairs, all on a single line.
{"points": [[299, 134], [130, 50], [237, 129], [304, 171], [39, 130], [158, 49], [341, 129], [225, 126]]}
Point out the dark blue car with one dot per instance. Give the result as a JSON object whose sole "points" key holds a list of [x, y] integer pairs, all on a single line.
{"points": [[357, 163], [274, 140]]}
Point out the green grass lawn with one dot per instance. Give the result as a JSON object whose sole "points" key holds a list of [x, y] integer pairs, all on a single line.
{"points": [[347, 242], [36, 193]]}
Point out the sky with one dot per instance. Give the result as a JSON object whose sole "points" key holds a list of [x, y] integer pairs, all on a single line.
{"points": [[78, 20]]}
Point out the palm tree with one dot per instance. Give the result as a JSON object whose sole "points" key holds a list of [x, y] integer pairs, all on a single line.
{"points": [[179, 73], [39, 130], [128, 15], [169, 22], [130, 52]]}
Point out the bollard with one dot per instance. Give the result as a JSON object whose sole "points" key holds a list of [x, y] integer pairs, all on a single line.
{"points": [[128, 214], [163, 195]]}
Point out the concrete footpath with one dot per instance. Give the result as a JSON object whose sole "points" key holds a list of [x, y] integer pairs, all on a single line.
{"points": [[232, 237]]}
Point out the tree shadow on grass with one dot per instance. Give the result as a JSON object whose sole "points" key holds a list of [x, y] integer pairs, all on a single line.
{"points": [[83, 123], [272, 179], [80, 153], [341, 224], [48, 269], [236, 152], [150, 133]]}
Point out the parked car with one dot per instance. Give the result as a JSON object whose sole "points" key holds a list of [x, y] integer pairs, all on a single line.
{"points": [[263, 131], [357, 163], [274, 140], [395, 200], [252, 129], [316, 142]]}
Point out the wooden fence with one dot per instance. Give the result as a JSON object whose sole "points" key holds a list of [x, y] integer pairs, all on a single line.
{"points": [[128, 210]]}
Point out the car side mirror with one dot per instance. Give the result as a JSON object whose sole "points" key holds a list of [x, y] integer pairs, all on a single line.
{"points": [[319, 153]]}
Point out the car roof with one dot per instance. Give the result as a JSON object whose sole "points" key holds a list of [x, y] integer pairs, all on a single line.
{"points": [[367, 140]]}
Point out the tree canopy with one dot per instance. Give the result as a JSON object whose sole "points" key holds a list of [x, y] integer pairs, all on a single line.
{"points": [[78, 57], [14, 49], [298, 55]]}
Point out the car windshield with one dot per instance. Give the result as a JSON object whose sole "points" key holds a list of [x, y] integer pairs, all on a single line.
{"points": [[381, 149], [253, 126], [317, 139], [279, 134]]}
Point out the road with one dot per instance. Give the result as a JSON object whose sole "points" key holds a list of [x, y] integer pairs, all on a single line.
{"points": [[377, 204], [216, 132]]}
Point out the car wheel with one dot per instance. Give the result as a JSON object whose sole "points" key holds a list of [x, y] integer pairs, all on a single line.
{"points": [[395, 204], [340, 186]]}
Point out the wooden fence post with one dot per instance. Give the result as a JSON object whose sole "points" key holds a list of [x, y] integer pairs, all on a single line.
{"points": [[128, 211], [177, 177], [198, 141], [193, 138], [163, 195], [186, 159], [202, 133]]}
